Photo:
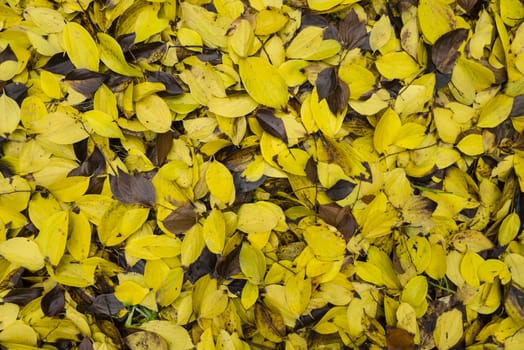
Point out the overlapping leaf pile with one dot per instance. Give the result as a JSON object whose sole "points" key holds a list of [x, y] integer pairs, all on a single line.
{"points": [[259, 174]]}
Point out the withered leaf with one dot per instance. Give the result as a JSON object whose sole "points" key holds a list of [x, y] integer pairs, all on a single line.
{"points": [[204, 265], [181, 219], [467, 5], [352, 32], [271, 124], [271, 322], [85, 344], [334, 90], [340, 217], [163, 144], [149, 52], [311, 170], [445, 51], [518, 106], [326, 83], [172, 86], [133, 189], [340, 190], [242, 185], [311, 19], [105, 305], [17, 91], [8, 55], [85, 81], [22, 296], [95, 164], [399, 339], [126, 41], [229, 265], [53, 302], [59, 64]]}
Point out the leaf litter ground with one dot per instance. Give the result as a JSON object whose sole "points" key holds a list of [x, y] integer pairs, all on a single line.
{"points": [[261, 175]]}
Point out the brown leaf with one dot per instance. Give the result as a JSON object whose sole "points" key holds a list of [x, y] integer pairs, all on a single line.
{"points": [[181, 219], [149, 52], [8, 55], [340, 217], [467, 5], [399, 339], [340, 190], [334, 90], [85, 81], [204, 265], [311, 170], [229, 265], [518, 106], [352, 32], [85, 344], [133, 189], [271, 124], [105, 305], [95, 164], [59, 64], [53, 302], [22, 296], [163, 144], [445, 51], [169, 81], [270, 324]]}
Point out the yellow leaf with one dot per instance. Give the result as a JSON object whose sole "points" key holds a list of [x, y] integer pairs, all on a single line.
{"points": [[214, 304], [49, 84], [241, 41], [298, 292], [471, 145], [420, 252], [233, 106], [61, 128], [153, 247], [215, 231], [103, 124], [23, 252], [509, 228], [153, 112], [171, 287], [192, 245], [52, 238], [220, 182], [263, 82], [397, 65], [448, 330], [256, 218], [495, 111], [252, 263], [176, 336], [130, 292], [435, 18], [113, 57], [386, 130], [326, 242], [249, 295], [9, 115], [79, 242], [80, 47], [469, 267]]}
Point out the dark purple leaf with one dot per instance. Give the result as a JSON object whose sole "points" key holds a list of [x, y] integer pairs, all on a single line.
{"points": [[326, 83], [467, 5], [181, 219], [22, 296], [85, 81], [330, 33], [211, 56], [310, 19], [105, 305], [229, 265], [133, 189], [340, 190], [340, 217], [163, 144], [339, 99], [311, 170], [169, 81], [242, 185], [352, 32], [445, 51], [126, 41], [59, 64], [271, 124], [149, 52], [8, 55], [95, 164], [17, 91], [518, 106], [204, 265], [53, 302], [85, 344]]}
